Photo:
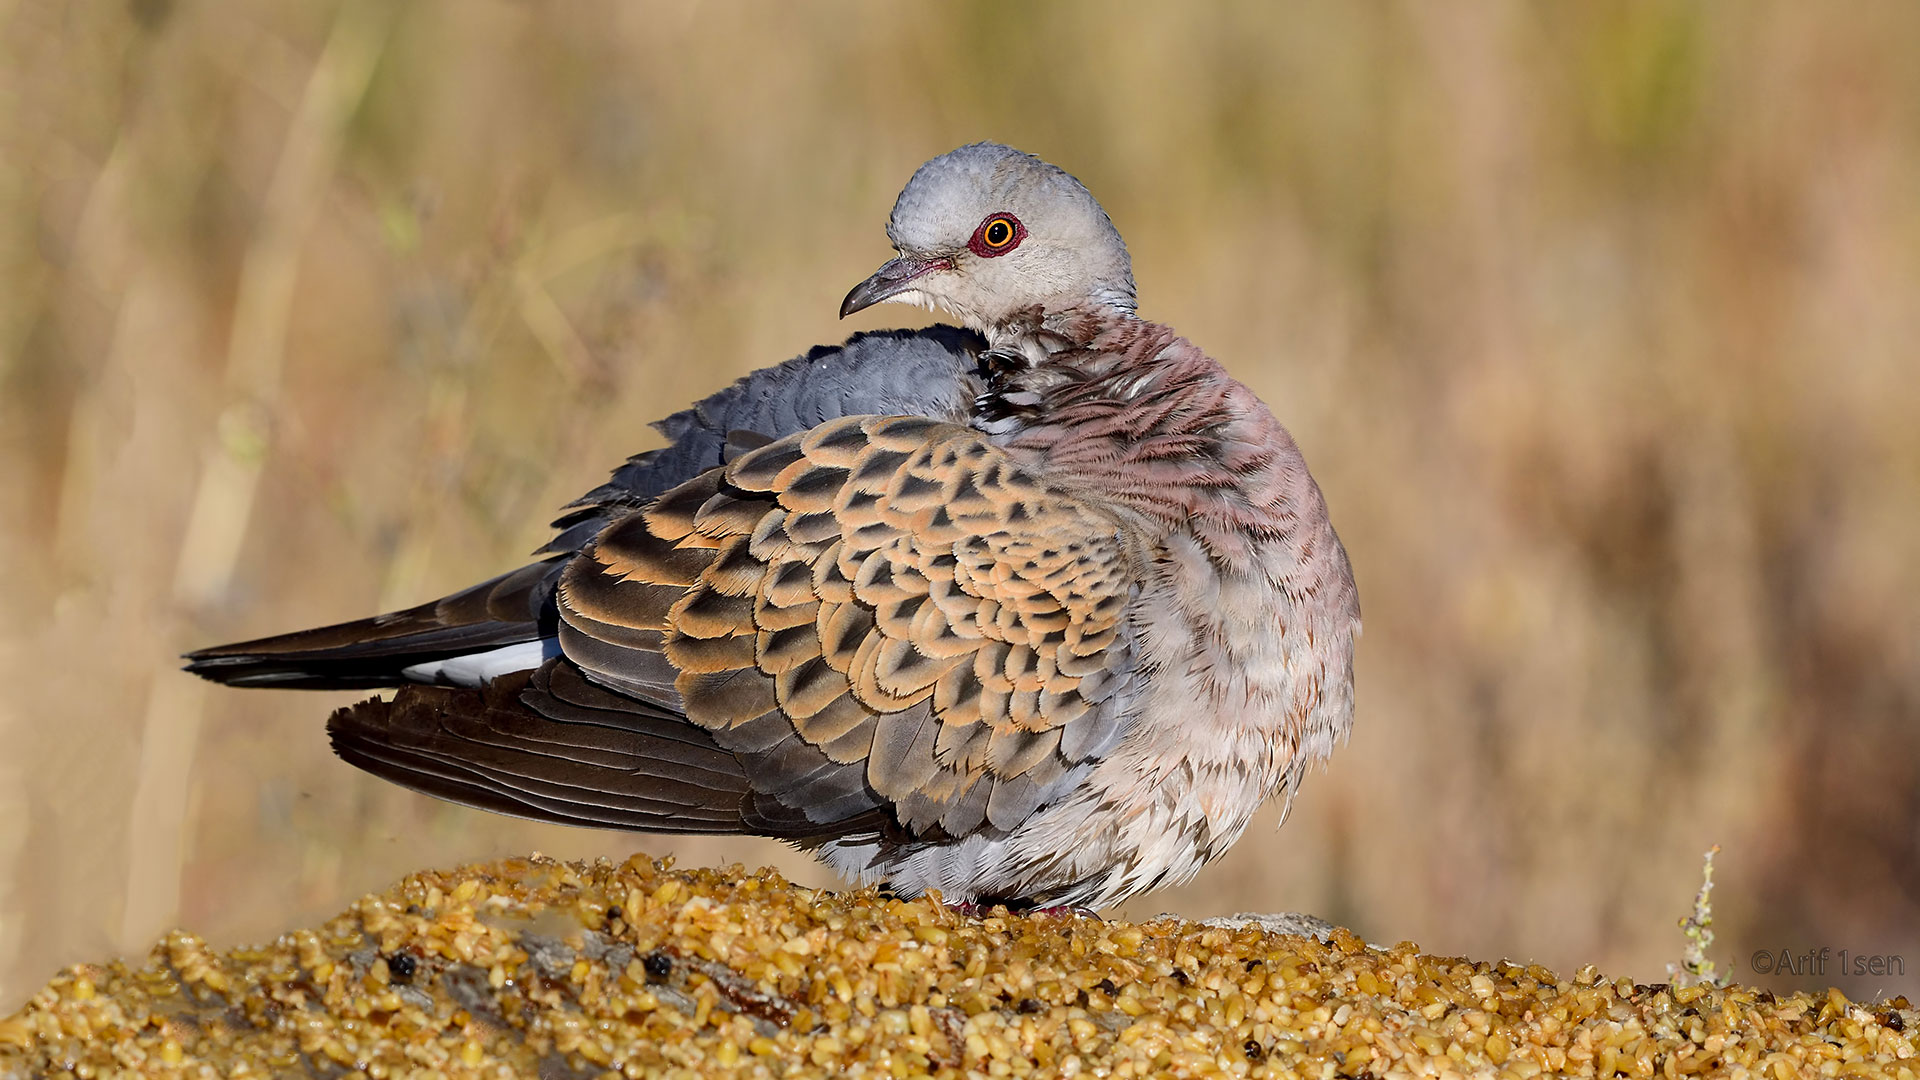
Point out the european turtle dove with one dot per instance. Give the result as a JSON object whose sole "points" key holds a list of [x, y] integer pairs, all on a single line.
{"points": [[1039, 610]]}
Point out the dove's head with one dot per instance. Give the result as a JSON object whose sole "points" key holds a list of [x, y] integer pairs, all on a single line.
{"points": [[993, 236]]}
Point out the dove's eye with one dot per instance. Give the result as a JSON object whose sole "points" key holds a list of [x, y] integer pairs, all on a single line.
{"points": [[997, 235]]}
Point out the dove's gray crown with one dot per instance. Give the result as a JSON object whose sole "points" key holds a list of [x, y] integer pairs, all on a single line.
{"points": [[1040, 610]]}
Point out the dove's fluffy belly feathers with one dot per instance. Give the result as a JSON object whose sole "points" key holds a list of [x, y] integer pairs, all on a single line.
{"points": [[1203, 746]]}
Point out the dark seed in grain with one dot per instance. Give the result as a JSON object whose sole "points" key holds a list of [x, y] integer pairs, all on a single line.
{"points": [[401, 966]]}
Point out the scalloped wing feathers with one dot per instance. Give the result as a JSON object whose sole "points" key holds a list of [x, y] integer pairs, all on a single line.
{"points": [[896, 598]]}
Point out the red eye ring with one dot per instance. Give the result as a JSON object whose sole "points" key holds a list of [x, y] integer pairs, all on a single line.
{"points": [[997, 235]]}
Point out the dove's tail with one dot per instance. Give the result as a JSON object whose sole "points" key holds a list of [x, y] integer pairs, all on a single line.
{"points": [[499, 626], [550, 746]]}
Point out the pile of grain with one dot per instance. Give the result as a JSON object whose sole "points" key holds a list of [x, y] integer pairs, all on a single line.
{"points": [[531, 967]]}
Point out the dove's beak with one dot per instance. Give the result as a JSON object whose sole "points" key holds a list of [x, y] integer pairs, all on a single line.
{"points": [[896, 277]]}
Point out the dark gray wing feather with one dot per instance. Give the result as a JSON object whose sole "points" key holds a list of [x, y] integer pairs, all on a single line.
{"points": [[549, 746], [930, 372]]}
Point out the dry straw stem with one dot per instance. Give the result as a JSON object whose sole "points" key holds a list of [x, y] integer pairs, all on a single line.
{"points": [[223, 499], [534, 967]]}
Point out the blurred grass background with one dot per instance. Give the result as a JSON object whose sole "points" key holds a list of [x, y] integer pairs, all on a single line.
{"points": [[1597, 324]]}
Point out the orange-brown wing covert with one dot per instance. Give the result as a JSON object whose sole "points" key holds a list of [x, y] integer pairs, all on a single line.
{"points": [[883, 606]]}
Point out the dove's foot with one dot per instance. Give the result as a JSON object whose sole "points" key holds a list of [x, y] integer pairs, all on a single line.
{"points": [[980, 909]]}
